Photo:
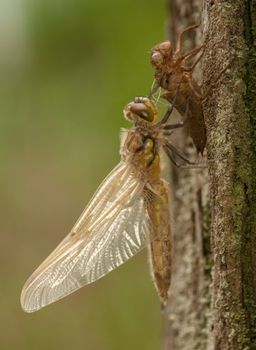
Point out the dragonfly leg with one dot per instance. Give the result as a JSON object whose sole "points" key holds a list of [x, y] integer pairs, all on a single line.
{"points": [[171, 150], [181, 35], [170, 156], [179, 154], [173, 126], [168, 114], [190, 69], [190, 165], [187, 56], [170, 108]]}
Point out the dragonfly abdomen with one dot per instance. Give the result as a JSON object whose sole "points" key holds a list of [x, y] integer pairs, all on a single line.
{"points": [[160, 246], [161, 261]]}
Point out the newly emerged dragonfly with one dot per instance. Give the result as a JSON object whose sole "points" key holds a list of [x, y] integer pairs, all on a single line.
{"points": [[129, 211]]}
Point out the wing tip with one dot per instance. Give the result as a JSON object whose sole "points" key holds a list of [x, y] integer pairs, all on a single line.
{"points": [[25, 303]]}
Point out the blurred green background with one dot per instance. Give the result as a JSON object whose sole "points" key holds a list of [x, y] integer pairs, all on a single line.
{"points": [[67, 69]]}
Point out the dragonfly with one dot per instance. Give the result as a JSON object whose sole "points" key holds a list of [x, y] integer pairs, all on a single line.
{"points": [[171, 73], [129, 211]]}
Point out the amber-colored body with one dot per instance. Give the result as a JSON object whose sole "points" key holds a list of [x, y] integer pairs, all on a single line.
{"points": [[173, 75], [160, 240], [141, 148]]}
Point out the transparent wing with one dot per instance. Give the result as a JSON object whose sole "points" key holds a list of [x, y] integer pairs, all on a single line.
{"points": [[112, 228]]}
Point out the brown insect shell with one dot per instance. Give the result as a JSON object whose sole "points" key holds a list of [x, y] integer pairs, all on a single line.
{"points": [[172, 75]]}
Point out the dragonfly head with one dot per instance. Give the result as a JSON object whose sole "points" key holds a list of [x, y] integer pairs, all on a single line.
{"points": [[160, 54], [141, 110]]}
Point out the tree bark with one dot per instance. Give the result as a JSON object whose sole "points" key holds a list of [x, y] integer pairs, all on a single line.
{"points": [[213, 294], [230, 120], [186, 322]]}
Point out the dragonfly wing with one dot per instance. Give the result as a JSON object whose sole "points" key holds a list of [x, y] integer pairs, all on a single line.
{"points": [[112, 229]]}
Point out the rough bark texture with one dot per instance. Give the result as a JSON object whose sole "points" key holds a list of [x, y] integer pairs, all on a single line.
{"points": [[213, 297], [186, 325], [230, 119]]}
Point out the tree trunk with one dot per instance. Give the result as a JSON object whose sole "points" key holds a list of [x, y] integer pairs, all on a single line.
{"points": [[213, 295], [186, 325], [230, 119]]}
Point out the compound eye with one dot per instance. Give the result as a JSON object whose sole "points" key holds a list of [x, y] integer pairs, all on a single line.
{"points": [[141, 111], [137, 108]]}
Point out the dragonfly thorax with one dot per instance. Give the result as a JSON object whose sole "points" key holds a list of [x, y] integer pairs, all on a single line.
{"points": [[141, 150]]}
